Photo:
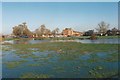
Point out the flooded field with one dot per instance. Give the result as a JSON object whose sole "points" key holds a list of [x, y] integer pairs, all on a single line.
{"points": [[97, 41], [60, 60]]}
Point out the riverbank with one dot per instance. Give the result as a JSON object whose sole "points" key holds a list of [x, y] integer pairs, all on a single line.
{"points": [[64, 38], [107, 37]]}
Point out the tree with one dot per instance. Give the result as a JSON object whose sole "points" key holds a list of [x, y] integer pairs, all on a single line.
{"points": [[21, 30], [109, 32], [42, 31], [114, 31], [16, 31], [89, 33], [24, 23], [55, 31], [102, 28], [47, 32]]}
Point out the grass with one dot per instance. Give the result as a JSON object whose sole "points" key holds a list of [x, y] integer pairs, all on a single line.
{"points": [[14, 64], [96, 73], [59, 69], [107, 37], [112, 58], [66, 47], [35, 64], [63, 38], [32, 75], [16, 39], [81, 37], [68, 52], [6, 48]]}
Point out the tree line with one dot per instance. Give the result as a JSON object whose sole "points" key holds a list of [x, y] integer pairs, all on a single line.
{"points": [[103, 30], [22, 30]]}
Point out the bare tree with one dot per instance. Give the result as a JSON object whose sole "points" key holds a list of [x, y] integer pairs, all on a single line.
{"points": [[47, 32], [55, 31], [42, 31], [102, 28]]}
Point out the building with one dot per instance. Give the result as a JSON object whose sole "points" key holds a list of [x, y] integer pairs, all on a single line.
{"points": [[67, 32], [0, 37], [70, 32]]}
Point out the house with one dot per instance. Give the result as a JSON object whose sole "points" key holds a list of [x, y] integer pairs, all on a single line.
{"points": [[0, 37], [67, 32], [76, 33], [70, 32]]}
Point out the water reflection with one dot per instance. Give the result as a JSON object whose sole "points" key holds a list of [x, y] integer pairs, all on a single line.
{"points": [[98, 41]]}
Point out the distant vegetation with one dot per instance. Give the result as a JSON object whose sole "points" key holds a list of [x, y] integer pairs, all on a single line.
{"points": [[22, 31]]}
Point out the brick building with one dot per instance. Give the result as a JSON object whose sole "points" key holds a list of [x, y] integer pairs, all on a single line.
{"points": [[70, 32]]}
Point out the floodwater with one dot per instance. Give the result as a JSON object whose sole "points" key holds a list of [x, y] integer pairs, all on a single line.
{"points": [[56, 65], [97, 41], [0, 61]]}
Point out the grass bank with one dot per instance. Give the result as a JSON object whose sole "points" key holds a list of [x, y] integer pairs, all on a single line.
{"points": [[64, 38], [107, 37]]}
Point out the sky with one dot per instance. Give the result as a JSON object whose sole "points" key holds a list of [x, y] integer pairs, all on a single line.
{"points": [[80, 16], [59, 0], [0, 17]]}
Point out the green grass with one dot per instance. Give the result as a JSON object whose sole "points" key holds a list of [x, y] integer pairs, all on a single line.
{"points": [[69, 51], [96, 73], [32, 75], [66, 47], [107, 37], [16, 39], [14, 64], [64, 38], [66, 50], [74, 38], [112, 58]]}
